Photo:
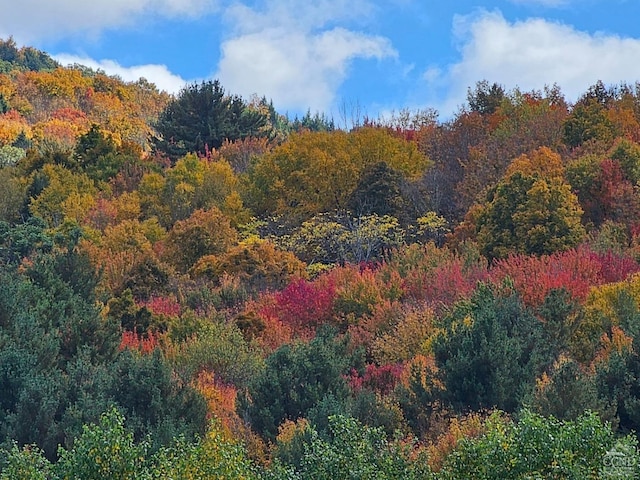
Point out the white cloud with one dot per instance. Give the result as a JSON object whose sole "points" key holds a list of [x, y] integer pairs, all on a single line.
{"points": [[533, 53], [32, 20], [295, 52], [156, 74]]}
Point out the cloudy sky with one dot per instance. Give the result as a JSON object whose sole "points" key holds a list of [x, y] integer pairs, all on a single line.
{"points": [[330, 55]]}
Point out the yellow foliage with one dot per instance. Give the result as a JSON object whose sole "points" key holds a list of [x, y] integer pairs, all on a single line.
{"points": [[602, 312], [233, 208], [76, 206], [11, 125], [256, 262], [62, 82], [316, 172], [150, 192], [62, 183], [127, 206], [7, 87], [129, 235], [288, 429], [406, 340], [221, 401], [542, 162]]}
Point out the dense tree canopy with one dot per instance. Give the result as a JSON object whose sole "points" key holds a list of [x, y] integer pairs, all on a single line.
{"points": [[199, 287]]}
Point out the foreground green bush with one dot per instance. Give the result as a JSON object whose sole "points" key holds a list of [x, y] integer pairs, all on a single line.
{"points": [[108, 451], [536, 447]]}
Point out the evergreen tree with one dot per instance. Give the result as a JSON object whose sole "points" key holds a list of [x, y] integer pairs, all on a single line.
{"points": [[297, 378], [490, 352], [202, 117]]}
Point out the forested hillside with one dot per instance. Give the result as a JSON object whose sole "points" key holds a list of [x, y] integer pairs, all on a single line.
{"points": [[196, 286]]}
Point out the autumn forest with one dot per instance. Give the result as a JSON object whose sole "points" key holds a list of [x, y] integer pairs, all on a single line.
{"points": [[196, 286]]}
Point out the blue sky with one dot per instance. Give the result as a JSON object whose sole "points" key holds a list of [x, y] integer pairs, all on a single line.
{"points": [[335, 55]]}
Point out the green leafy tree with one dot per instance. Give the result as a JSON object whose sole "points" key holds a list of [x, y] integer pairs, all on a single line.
{"points": [[4, 105], [539, 447], [8, 50], [378, 191], [618, 376], [105, 450], [627, 153], [24, 239], [220, 348], [60, 366], [44, 325], [97, 155], [154, 401], [26, 463], [318, 122], [354, 451], [588, 121], [568, 391]]}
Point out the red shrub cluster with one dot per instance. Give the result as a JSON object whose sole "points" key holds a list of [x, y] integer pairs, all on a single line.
{"points": [[445, 284], [302, 305], [575, 271], [382, 379], [146, 343], [167, 306]]}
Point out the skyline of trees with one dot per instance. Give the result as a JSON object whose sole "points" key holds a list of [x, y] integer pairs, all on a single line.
{"points": [[425, 290]]}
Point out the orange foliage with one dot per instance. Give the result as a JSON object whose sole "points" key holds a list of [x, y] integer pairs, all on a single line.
{"points": [[221, 401], [542, 161], [114, 266], [71, 115], [469, 426], [61, 133], [382, 319], [67, 95], [11, 125], [144, 344], [424, 366], [268, 331], [617, 342], [289, 429], [359, 290]]}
